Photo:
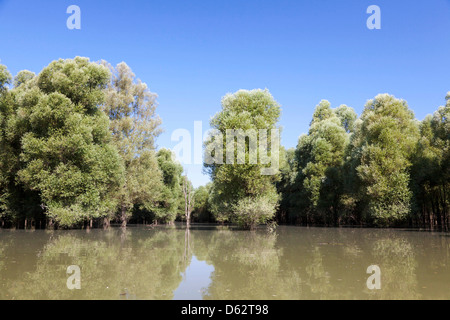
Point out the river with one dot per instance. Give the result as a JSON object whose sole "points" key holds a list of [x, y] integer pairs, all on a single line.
{"points": [[215, 262]]}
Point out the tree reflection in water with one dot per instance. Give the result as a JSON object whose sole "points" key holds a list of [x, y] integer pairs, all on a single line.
{"points": [[293, 263]]}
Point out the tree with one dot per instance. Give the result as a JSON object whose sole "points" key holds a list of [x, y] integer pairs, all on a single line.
{"points": [[134, 125], [388, 138], [23, 77], [189, 199], [237, 183], [5, 77], [347, 116], [286, 185], [171, 198], [430, 172], [202, 210], [320, 158], [5, 113], [60, 143]]}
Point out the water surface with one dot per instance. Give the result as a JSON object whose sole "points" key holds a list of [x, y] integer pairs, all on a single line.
{"points": [[209, 262]]}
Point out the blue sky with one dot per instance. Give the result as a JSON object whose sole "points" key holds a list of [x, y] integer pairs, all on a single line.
{"points": [[191, 53]]}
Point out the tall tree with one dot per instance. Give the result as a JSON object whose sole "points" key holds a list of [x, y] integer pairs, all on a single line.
{"points": [[5, 113], [61, 143], [131, 108], [320, 157], [171, 198], [202, 210], [431, 169], [240, 185], [189, 200], [388, 137]]}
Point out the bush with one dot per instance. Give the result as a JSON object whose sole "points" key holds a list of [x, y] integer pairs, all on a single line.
{"points": [[248, 213]]}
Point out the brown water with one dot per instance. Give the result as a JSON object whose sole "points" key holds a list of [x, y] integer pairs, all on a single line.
{"points": [[211, 262]]}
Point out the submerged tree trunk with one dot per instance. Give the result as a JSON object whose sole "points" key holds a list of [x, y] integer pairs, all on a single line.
{"points": [[106, 223], [188, 200], [123, 217], [444, 208], [438, 213]]}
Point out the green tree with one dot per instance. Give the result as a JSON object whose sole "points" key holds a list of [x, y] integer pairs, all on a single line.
{"points": [[286, 186], [5, 113], [240, 182], [387, 141], [202, 211], [171, 201], [320, 159], [134, 125], [61, 146], [430, 171], [347, 116], [5, 77]]}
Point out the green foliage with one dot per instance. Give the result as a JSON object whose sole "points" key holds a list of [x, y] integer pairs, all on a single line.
{"points": [[134, 126], [23, 77], [319, 160], [431, 169], [5, 77], [77, 142], [390, 133], [249, 212], [202, 210], [347, 116], [383, 169], [59, 143], [233, 183], [171, 200]]}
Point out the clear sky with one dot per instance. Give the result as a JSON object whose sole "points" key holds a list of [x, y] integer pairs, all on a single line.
{"points": [[193, 52]]}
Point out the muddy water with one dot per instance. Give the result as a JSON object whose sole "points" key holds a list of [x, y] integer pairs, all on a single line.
{"points": [[209, 262]]}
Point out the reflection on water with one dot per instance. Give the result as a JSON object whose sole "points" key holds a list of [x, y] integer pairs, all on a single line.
{"points": [[221, 263], [195, 281]]}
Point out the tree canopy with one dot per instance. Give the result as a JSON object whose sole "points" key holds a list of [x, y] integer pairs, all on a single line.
{"points": [[78, 145]]}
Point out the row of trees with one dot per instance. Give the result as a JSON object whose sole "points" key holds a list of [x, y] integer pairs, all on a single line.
{"points": [[77, 145], [384, 168]]}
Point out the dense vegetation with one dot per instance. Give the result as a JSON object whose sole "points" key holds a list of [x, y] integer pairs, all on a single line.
{"points": [[384, 168], [77, 147]]}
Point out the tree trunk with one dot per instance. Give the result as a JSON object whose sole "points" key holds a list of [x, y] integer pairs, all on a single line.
{"points": [[444, 208], [433, 213], [438, 211], [188, 200], [188, 218], [106, 223], [123, 217]]}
